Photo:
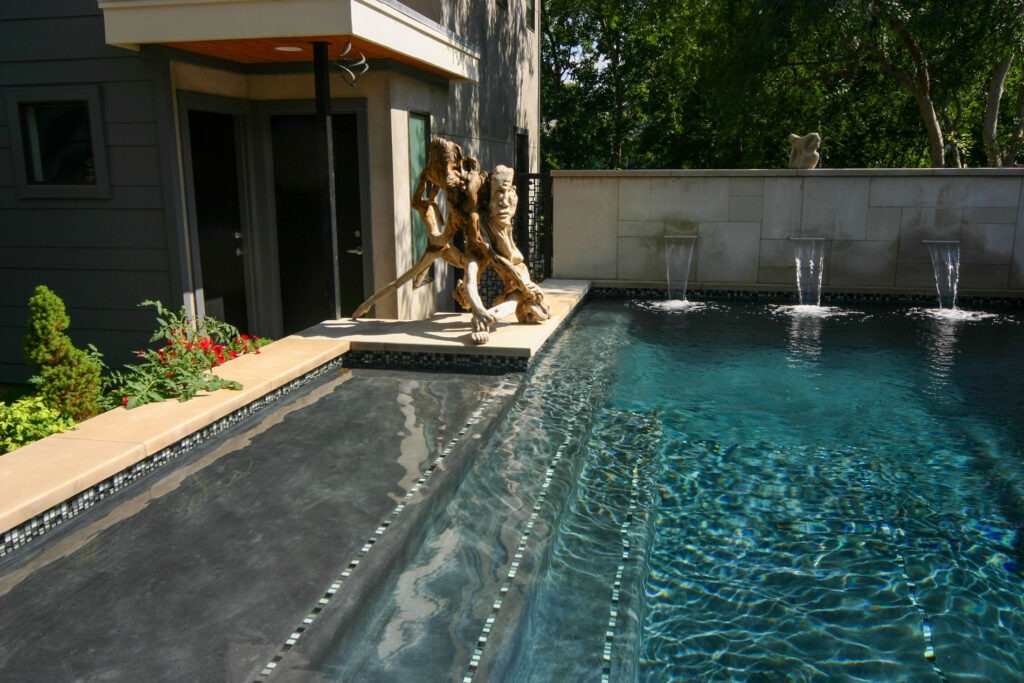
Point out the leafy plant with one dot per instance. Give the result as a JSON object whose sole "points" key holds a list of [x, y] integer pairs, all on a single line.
{"points": [[67, 379], [29, 419], [181, 367]]}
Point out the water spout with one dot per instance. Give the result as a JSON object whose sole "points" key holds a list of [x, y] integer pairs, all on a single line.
{"points": [[678, 254], [946, 264], [810, 267]]}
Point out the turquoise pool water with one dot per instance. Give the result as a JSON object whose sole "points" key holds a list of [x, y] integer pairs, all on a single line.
{"points": [[739, 492]]}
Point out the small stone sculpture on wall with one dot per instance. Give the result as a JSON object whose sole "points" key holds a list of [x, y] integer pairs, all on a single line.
{"points": [[805, 150], [469, 191]]}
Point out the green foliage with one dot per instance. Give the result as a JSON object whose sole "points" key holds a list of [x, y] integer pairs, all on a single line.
{"points": [[68, 379], [697, 84], [29, 419], [68, 386], [181, 367]]}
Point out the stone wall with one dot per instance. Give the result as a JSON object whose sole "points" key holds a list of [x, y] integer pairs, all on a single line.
{"points": [[609, 227]]}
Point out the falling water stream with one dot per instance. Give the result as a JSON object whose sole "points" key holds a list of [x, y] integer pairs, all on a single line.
{"points": [[946, 264], [810, 267], [945, 256], [678, 256]]}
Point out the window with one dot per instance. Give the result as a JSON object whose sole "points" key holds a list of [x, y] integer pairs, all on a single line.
{"points": [[419, 150], [57, 142], [531, 14], [502, 3]]}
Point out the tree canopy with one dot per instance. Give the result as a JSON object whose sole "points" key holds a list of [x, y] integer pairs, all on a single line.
{"points": [[721, 83]]}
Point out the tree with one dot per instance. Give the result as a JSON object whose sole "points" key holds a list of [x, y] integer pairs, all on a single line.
{"points": [[68, 379], [699, 84], [1006, 36], [940, 51], [570, 128], [597, 78]]}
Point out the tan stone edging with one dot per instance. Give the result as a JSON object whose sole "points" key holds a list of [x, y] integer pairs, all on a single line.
{"points": [[44, 474]]}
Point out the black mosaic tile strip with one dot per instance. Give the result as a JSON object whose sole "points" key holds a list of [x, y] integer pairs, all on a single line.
{"points": [[474, 419], [476, 658], [25, 533], [437, 362], [517, 558], [616, 598], [790, 296], [649, 293], [896, 536]]}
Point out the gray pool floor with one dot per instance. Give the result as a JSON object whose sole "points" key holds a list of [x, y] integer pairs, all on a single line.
{"points": [[208, 569]]}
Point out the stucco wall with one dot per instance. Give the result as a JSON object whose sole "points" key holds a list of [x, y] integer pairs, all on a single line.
{"points": [[483, 117], [609, 226]]}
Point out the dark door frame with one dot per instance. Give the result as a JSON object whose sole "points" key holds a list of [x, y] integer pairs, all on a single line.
{"points": [[239, 110], [263, 110], [253, 141]]}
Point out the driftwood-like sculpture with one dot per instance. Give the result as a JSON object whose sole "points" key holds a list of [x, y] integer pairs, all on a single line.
{"points": [[469, 191], [805, 150]]}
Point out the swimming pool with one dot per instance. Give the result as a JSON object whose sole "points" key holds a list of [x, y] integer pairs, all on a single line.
{"points": [[739, 492]]}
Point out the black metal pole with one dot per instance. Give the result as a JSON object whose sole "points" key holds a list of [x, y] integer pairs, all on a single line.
{"points": [[328, 200]]}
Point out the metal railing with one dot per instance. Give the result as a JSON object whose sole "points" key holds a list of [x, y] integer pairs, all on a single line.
{"points": [[533, 222], [532, 232]]}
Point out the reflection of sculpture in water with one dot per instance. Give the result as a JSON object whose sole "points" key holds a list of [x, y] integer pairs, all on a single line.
{"points": [[805, 150], [461, 179]]}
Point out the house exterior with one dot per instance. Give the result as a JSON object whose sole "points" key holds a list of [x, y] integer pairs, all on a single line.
{"points": [[252, 160]]}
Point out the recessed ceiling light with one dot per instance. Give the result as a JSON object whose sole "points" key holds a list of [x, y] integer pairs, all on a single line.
{"points": [[288, 48]]}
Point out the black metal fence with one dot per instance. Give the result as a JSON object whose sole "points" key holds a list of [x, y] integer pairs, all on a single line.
{"points": [[533, 222], [532, 232]]}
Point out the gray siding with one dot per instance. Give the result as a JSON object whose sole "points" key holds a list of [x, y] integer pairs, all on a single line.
{"points": [[102, 256]]}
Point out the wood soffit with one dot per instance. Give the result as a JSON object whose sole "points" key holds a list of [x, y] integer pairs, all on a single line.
{"points": [[264, 51]]}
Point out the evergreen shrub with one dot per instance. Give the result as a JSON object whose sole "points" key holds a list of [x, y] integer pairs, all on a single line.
{"points": [[68, 379]]}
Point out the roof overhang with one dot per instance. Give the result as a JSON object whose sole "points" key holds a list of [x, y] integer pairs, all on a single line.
{"points": [[254, 31]]}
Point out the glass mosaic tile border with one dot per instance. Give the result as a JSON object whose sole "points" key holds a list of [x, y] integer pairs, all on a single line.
{"points": [[790, 296], [23, 534], [437, 362], [477, 427]]}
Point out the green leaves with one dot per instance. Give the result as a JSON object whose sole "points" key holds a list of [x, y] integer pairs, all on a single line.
{"points": [[181, 367], [29, 419], [699, 84], [67, 379], [69, 383]]}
